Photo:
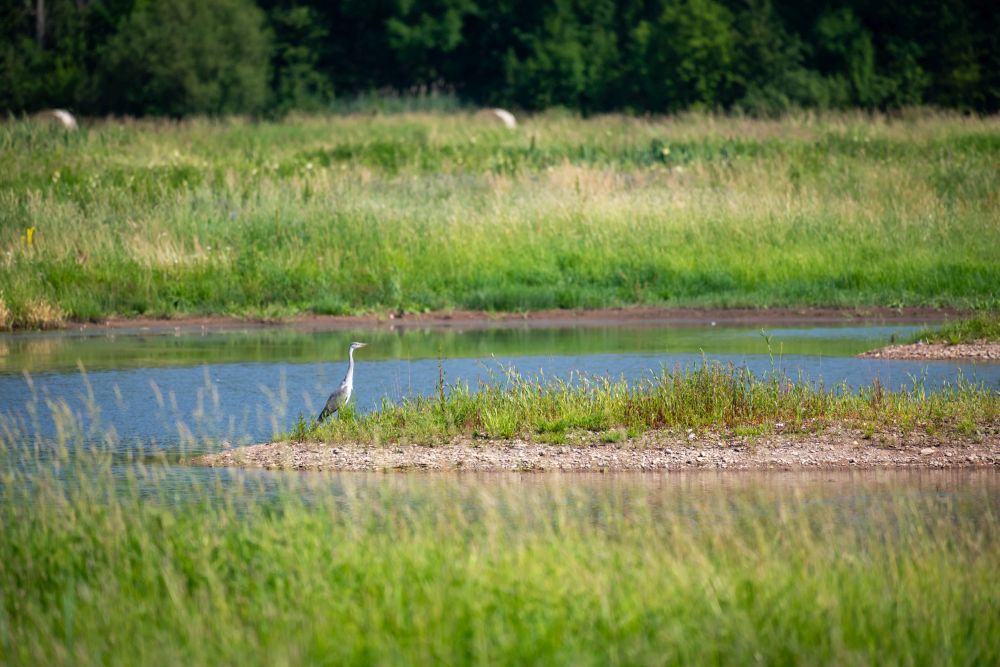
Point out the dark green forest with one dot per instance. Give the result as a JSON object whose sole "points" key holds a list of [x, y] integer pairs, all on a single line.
{"points": [[178, 57]]}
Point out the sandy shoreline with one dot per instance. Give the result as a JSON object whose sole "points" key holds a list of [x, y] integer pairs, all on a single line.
{"points": [[465, 319], [835, 448], [981, 350]]}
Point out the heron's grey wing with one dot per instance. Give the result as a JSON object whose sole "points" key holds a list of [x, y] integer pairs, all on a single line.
{"points": [[336, 400]]}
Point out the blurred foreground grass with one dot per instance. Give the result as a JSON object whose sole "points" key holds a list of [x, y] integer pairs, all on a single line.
{"points": [[351, 571], [108, 558], [436, 211]]}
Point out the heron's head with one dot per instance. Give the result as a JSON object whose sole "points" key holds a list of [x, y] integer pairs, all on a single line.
{"points": [[355, 345]]}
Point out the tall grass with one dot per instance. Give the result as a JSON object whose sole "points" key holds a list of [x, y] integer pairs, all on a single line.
{"points": [[985, 326], [436, 211], [345, 572], [716, 397]]}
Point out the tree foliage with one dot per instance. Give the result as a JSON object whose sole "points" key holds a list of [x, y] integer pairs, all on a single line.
{"points": [[175, 57]]}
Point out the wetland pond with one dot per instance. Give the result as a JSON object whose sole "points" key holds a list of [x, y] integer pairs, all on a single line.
{"points": [[191, 390], [166, 395]]}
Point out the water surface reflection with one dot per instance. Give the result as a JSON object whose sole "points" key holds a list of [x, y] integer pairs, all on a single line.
{"points": [[164, 393]]}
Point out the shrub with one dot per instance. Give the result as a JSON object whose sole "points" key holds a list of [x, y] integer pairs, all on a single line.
{"points": [[174, 57]]}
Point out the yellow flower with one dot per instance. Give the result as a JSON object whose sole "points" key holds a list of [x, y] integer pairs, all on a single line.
{"points": [[29, 234]]}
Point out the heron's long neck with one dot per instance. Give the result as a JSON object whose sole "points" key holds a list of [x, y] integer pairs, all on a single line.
{"points": [[350, 367]]}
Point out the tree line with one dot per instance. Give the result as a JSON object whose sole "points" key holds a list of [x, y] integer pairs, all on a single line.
{"points": [[178, 57]]}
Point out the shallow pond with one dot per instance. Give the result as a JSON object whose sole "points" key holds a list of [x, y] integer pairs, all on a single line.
{"points": [[161, 391]]}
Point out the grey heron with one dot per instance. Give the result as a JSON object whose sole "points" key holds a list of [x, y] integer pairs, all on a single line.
{"points": [[342, 394]]}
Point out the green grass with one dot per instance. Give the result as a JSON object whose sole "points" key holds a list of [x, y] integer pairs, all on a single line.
{"points": [[436, 211], [981, 327], [94, 572], [710, 397]]}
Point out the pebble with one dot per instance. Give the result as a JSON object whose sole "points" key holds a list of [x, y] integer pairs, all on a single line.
{"points": [[984, 350], [662, 450]]}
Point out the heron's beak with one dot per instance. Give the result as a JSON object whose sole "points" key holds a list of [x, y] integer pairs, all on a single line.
{"points": [[362, 344]]}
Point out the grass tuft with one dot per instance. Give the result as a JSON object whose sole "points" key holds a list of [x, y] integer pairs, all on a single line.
{"points": [[984, 327], [40, 314], [6, 317]]}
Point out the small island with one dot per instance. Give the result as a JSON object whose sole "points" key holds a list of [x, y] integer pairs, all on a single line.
{"points": [[976, 339], [713, 417]]}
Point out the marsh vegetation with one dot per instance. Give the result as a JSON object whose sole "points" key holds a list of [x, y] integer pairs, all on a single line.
{"points": [[100, 563], [438, 211], [103, 560]]}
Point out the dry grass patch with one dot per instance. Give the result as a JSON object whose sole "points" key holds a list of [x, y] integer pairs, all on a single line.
{"points": [[40, 314], [6, 317]]}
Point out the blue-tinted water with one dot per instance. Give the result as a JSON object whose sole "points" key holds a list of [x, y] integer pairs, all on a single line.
{"points": [[157, 393]]}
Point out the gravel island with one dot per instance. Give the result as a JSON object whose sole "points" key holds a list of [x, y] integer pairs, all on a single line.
{"points": [[834, 448]]}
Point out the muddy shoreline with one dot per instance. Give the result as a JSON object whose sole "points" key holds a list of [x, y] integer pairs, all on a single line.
{"points": [[466, 319], [834, 449]]}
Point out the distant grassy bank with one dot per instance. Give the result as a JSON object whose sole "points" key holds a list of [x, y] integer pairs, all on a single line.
{"points": [[431, 212], [710, 397]]}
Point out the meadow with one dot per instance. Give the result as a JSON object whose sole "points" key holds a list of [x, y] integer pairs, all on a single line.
{"points": [[437, 211]]}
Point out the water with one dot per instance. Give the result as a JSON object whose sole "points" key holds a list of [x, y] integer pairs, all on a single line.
{"points": [[116, 350], [156, 391]]}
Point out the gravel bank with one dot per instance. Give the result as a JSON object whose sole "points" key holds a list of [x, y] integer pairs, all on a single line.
{"points": [[979, 350], [833, 449]]}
